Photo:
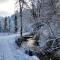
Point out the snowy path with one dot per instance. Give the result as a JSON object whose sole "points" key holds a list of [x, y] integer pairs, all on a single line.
{"points": [[8, 49], [5, 50]]}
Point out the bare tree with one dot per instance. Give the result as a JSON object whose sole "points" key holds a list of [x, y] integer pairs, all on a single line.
{"points": [[33, 10], [36, 9], [21, 7]]}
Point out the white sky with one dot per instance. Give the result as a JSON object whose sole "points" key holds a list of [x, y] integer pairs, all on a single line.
{"points": [[7, 7]]}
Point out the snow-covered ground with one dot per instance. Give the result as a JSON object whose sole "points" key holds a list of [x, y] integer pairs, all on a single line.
{"points": [[9, 50]]}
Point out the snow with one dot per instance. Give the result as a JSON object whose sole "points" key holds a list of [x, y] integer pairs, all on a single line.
{"points": [[9, 50]]}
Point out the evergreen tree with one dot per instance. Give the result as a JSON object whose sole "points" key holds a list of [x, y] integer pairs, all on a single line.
{"points": [[9, 25], [5, 25], [0, 27], [15, 23]]}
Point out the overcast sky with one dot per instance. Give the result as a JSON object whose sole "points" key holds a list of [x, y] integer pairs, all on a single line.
{"points": [[7, 7]]}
